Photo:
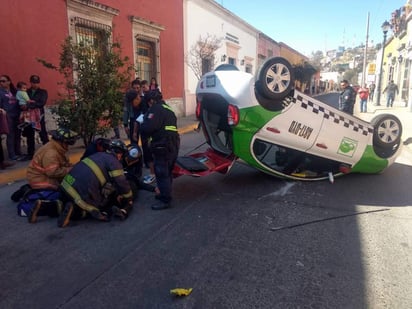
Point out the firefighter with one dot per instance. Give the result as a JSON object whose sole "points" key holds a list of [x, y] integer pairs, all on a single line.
{"points": [[97, 187], [45, 172], [159, 124]]}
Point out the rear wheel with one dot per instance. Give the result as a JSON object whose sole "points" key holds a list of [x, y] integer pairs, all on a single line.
{"points": [[275, 79]]}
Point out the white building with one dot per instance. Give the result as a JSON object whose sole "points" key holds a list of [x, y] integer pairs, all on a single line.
{"points": [[239, 41]]}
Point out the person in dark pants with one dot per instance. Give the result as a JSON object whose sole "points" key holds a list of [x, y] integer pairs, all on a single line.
{"points": [[40, 97], [347, 97], [160, 124], [146, 103], [130, 109], [10, 106], [4, 164]]}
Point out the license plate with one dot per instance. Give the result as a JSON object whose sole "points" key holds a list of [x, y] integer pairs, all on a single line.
{"points": [[210, 81]]}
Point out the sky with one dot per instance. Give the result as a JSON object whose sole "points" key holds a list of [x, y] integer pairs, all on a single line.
{"points": [[309, 26]]}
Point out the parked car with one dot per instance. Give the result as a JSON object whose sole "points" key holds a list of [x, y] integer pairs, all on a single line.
{"points": [[278, 130]]}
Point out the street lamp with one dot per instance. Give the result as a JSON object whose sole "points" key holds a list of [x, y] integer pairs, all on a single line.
{"points": [[385, 28]]}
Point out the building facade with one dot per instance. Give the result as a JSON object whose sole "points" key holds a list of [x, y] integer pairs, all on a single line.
{"points": [[225, 38], [397, 55], [157, 36], [152, 41]]}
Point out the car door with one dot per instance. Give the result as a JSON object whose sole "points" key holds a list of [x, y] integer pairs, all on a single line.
{"points": [[296, 127], [342, 137]]}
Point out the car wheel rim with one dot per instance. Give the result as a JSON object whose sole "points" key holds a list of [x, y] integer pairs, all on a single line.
{"points": [[278, 78], [388, 131]]}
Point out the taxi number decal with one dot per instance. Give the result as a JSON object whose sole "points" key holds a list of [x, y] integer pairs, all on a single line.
{"points": [[300, 130]]}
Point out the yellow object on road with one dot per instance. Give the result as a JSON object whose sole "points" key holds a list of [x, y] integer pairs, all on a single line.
{"points": [[181, 292]]}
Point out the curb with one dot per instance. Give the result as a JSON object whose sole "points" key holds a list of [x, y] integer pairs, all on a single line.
{"points": [[12, 175]]}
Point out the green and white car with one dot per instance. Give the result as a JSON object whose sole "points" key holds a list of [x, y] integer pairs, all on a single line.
{"points": [[263, 121]]}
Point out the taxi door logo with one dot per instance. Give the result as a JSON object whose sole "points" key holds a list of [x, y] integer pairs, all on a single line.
{"points": [[347, 147]]}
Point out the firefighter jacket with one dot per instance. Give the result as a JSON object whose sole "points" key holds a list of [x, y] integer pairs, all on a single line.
{"points": [[159, 123], [48, 166], [89, 179]]}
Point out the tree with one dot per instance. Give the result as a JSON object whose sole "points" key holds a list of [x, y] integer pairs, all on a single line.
{"points": [[303, 74], [201, 58], [351, 76], [95, 75], [316, 59]]}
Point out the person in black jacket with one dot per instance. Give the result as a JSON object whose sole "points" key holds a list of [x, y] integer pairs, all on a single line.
{"points": [[40, 97], [160, 124], [347, 97]]}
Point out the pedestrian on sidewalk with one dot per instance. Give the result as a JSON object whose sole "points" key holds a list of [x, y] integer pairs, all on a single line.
{"points": [[40, 96], [10, 105], [363, 95], [130, 108], [4, 129], [391, 91], [347, 97], [371, 91], [28, 116]]}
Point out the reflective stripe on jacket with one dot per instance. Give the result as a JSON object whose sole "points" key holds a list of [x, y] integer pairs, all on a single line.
{"points": [[86, 179]]}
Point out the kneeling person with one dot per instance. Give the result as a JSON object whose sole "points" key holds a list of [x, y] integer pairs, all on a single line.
{"points": [[95, 184], [45, 172]]}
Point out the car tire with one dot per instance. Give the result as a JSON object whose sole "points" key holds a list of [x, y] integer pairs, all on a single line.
{"points": [[387, 132], [268, 104], [275, 79]]}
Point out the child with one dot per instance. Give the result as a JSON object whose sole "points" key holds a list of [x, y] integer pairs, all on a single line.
{"points": [[28, 116]]}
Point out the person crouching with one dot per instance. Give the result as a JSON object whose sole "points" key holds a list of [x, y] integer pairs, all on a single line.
{"points": [[97, 187]]}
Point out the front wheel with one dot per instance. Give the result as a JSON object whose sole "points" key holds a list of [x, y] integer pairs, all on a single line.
{"points": [[387, 131]]}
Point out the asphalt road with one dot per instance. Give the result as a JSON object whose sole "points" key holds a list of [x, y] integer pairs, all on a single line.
{"points": [[241, 240]]}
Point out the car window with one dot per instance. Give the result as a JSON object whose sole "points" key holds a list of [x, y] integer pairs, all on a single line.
{"points": [[291, 161]]}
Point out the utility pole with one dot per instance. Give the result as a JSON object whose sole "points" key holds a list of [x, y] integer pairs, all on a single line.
{"points": [[365, 53]]}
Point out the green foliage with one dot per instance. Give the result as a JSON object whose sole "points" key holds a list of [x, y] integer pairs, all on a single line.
{"points": [[95, 76], [304, 72], [351, 76]]}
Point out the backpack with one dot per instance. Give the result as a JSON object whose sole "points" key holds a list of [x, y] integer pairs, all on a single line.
{"points": [[26, 204]]}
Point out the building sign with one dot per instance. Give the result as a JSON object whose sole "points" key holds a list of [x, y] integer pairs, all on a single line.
{"points": [[371, 68]]}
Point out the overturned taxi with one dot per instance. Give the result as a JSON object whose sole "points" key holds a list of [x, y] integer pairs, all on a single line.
{"points": [[265, 122]]}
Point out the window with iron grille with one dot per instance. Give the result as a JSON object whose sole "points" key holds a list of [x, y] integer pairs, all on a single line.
{"points": [[145, 60], [92, 34]]}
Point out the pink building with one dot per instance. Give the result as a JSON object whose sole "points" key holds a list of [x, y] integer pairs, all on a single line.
{"points": [[150, 34]]}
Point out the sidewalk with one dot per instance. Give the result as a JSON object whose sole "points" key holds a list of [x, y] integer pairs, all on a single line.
{"points": [[18, 171]]}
